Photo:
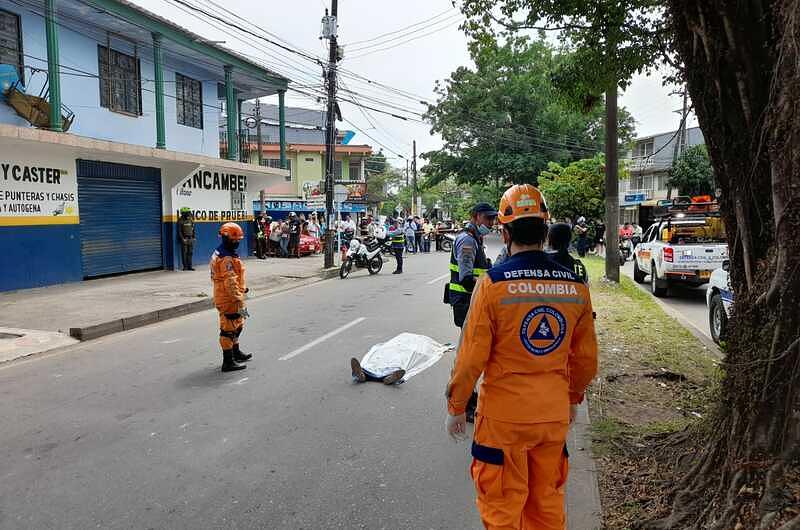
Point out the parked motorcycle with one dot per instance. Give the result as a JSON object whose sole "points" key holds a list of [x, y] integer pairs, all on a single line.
{"points": [[362, 256], [446, 242], [625, 250]]}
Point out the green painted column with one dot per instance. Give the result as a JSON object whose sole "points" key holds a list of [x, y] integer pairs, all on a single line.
{"points": [[158, 62], [233, 120], [53, 68], [282, 125]]}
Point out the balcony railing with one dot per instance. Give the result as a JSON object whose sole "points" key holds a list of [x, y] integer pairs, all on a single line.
{"points": [[245, 142]]}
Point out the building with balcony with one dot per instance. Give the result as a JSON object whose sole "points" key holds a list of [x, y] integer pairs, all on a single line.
{"points": [[649, 163], [109, 119]]}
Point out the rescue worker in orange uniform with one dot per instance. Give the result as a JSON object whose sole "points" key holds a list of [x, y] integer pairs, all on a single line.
{"points": [[227, 273], [530, 332]]}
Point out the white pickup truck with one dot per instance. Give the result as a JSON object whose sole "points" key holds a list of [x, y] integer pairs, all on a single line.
{"points": [[682, 248]]}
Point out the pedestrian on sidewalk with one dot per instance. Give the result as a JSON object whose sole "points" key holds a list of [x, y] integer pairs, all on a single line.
{"points": [[228, 277], [410, 230], [274, 238], [295, 226], [187, 235], [427, 230], [262, 223], [537, 357], [284, 239], [417, 235], [395, 234]]}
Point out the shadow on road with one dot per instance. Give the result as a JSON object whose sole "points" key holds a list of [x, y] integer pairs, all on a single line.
{"points": [[205, 378]]}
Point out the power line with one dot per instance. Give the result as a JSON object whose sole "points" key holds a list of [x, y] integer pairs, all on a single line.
{"points": [[384, 42], [448, 10]]}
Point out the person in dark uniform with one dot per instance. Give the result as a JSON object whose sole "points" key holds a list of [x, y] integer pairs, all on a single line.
{"points": [[294, 235], [262, 233], [187, 236], [558, 239]]}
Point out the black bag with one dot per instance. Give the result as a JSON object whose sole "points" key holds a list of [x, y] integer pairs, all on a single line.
{"points": [[446, 298]]}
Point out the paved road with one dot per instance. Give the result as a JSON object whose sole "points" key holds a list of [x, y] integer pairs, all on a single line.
{"points": [[688, 301], [141, 430]]}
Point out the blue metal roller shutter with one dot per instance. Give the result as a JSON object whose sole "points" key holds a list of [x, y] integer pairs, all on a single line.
{"points": [[120, 218]]}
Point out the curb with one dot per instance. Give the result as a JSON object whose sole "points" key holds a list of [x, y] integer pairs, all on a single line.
{"points": [[95, 331], [691, 327], [584, 509]]}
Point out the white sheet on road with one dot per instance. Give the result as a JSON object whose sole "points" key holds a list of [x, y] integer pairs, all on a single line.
{"points": [[408, 351]]}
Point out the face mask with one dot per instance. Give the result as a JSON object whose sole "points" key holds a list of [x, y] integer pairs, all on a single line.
{"points": [[483, 230], [231, 245]]}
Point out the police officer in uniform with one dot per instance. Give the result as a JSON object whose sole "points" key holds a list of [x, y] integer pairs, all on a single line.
{"points": [[468, 259], [530, 332], [187, 236], [397, 236], [558, 239]]}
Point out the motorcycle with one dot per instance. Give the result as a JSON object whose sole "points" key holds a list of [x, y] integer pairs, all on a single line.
{"points": [[446, 242], [362, 256], [625, 250]]}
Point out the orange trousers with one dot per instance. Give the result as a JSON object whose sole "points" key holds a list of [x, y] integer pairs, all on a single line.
{"points": [[231, 324], [520, 473]]}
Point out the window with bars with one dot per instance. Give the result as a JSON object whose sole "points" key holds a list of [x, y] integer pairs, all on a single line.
{"points": [[189, 101], [11, 42], [120, 81], [355, 170], [276, 164]]}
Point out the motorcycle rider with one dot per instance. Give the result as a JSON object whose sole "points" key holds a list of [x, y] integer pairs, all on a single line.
{"points": [[537, 356], [228, 276]]}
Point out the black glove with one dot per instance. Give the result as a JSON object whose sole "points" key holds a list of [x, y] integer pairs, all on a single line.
{"points": [[468, 282], [246, 290]]}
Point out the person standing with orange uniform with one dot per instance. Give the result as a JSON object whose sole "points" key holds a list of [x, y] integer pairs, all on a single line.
{"points": [[228, 276], [530, 332]]}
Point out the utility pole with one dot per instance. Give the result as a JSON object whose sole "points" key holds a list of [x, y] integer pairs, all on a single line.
{"points": [[258, 132], [680, 139], [415, 207], [329, 31], [406, 173], [612, 186]]}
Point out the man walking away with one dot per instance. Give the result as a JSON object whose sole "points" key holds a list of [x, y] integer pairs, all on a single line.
{"points": [[395, 233], [187, 236], [537, 356], [227, 274], [262, 233]]}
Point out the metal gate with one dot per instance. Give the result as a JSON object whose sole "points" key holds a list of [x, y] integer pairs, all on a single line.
{"points": [[120, 218]]}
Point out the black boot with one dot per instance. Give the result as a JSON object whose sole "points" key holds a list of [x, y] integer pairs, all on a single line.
{"points": [[228, 364], [240, 357]]}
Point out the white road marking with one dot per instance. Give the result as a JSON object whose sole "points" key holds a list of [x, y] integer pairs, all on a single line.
{"points": [[323, 338], [440, 278], [241, 381], [173, 341]]}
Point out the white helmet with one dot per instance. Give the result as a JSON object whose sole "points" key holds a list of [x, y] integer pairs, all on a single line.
{"points": [[581, 220]]}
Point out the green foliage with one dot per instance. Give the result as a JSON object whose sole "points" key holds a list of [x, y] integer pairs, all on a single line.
{"points": [[503, 121], [611, 40], [693, 174], [575, 190], [379, 184]]}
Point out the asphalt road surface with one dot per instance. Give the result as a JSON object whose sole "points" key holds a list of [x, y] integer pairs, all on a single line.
{"points": [[686, 300], [142, 430]]}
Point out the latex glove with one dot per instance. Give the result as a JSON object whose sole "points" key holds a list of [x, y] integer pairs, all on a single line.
{"points": [[456, 427], [573, 413]]}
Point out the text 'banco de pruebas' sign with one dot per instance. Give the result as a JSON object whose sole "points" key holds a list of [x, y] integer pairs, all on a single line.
{"points": [[213, 196]]}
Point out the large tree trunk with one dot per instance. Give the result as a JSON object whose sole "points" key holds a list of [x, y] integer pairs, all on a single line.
{"points": [[743, 72]]}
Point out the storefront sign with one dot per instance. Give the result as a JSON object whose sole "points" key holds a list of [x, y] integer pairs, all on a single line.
{"points": [[635, 198], [38, 187], [213, 196]]}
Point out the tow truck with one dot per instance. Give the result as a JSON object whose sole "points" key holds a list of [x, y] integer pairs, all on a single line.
{"points": [[684, 245]]}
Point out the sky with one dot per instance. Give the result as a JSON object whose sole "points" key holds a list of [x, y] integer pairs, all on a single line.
{"points": [[434, 49]]}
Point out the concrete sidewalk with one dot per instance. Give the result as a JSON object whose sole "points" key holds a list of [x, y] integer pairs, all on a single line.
{"points": [[94, 308]]}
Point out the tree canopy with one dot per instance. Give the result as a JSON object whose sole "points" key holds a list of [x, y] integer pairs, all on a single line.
{"points": [[503, 120], [575, 190], [692, 174]]}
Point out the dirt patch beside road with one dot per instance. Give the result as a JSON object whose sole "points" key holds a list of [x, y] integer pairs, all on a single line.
{"points": [[655, 379]]}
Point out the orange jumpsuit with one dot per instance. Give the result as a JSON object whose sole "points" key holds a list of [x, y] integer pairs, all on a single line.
{"points": [[530, 332], [227, 274]]}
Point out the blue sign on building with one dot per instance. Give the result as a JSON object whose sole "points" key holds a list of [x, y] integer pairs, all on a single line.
{"points": [[635, 198], [302, 206]]}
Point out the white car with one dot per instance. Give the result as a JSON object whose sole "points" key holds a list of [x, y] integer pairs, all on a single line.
{"points": [[719, 298], [677, 258]]}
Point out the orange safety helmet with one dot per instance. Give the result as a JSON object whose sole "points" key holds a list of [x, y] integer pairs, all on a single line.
{"points": [[521, 201], [232, 231]]}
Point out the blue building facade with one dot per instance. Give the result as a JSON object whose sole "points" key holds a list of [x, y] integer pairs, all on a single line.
{"points": [[140, 99]]}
